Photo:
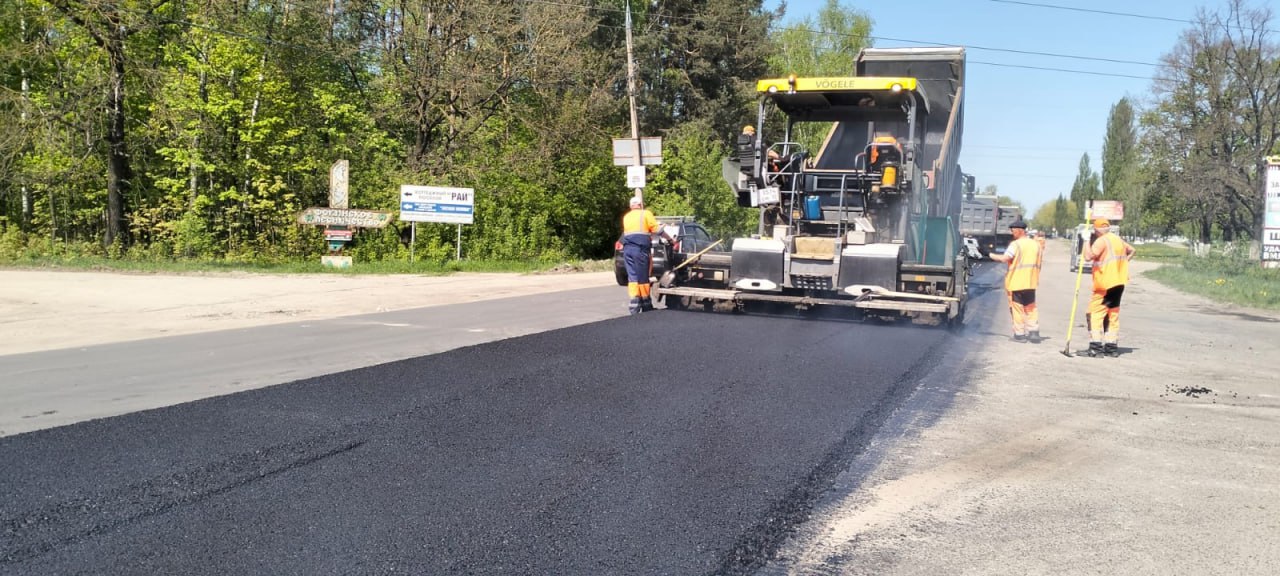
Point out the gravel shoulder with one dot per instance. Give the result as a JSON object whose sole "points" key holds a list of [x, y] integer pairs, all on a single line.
{"points": [[1162, 461]]}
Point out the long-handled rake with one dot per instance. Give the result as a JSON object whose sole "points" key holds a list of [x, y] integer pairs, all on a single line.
{"points": [[1075, 302]]}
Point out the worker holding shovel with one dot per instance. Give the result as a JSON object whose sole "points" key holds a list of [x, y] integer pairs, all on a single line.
{"points": [[1110, 255], [638, 226]]}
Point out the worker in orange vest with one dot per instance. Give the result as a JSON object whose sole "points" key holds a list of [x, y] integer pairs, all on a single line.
{"points": [[1110, 255], [638, 226], [1023, 256]]}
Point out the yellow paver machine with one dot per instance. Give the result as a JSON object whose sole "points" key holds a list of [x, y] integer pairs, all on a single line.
{"points": [[859, 192]]}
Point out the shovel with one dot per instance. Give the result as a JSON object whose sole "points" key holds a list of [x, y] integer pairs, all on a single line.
{"points": [[670, 275]]}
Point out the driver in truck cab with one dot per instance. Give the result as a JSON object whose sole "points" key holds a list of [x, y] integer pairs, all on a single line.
{"points": [[747, 147]]}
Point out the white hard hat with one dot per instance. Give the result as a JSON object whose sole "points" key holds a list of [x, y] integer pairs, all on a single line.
{"points": [[636, 202]]}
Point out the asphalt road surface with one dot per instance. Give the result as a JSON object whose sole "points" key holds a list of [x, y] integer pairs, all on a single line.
{"points": [[58, 387], [668, 443]]}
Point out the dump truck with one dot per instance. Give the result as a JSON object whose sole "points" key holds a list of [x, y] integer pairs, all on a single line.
{"points": [[1008, 214], [869, 220], [979, 217]]}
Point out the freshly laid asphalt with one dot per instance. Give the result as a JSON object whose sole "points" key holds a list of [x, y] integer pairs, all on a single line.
{"points": [[667, 443]]}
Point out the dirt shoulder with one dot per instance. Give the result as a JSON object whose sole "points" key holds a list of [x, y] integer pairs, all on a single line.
{"points": [[1162, 461], [46, 310]]}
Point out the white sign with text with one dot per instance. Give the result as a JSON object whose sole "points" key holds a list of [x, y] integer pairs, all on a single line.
{"points": [[437, 204]]}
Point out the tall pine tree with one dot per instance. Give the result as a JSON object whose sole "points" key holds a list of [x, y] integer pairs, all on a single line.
{"points": [[1085, 188]]}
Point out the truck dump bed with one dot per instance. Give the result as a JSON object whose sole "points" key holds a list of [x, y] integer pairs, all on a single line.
{"points": [[934, 238], [978, 218], [941, 73]]}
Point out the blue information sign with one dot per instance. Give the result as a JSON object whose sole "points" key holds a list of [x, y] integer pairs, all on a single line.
{"points": [[437, 204]]}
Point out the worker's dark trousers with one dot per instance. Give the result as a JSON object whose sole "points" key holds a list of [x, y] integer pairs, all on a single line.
{"points": [[636, 259]]}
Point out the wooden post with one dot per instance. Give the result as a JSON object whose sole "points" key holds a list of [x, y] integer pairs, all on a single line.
{"points": [[631, 92]]}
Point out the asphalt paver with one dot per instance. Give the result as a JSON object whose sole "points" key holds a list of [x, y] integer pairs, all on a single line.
{"points": [[665, 443]]}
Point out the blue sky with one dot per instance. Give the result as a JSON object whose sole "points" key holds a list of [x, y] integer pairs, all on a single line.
{"points": [[1025, 129]]}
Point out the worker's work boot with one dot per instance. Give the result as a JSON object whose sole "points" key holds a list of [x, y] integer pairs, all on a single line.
{"points": [[1033, 336], [646, 305], [1095, 350], [1111, 349], [1019, 337], [633, 307]]}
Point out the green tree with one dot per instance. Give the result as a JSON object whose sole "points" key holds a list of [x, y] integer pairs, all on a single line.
{"points": [[110, 25], [1043, 218], [688, 182], [699, 59], [1119, 150], [1057, 215], [1085, 187], [1066, 214], [823, 45], [1215, 117], [1120, 168], [233, 112], [1007, 201]]}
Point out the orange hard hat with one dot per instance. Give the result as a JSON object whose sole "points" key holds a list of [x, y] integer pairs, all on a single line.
{"points": [[1101, 223]]}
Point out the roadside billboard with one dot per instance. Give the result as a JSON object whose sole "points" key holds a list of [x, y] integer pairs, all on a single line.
{"points": [[437, 204], [1271, 219], [1109, 209]]}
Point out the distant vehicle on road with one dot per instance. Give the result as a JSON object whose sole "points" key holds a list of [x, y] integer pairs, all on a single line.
{"points": [[1083, 236], [979, 216], [690, 236]]}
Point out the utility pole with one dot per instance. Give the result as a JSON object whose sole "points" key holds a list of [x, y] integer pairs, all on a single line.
{"points": [[631, 93]]}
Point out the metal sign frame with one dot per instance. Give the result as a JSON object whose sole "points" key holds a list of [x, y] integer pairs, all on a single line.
{"points": [[624, 151]]}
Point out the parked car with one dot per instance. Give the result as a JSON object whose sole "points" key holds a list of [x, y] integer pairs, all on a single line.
{"points": [[690, 236]]}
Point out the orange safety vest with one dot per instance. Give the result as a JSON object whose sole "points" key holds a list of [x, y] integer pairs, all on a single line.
{"points": [[639, 221], [1024, 269], [1112, 268]]}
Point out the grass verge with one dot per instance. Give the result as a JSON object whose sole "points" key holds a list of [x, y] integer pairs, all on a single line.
{"points": [[1160, 252], [1223, 279]]}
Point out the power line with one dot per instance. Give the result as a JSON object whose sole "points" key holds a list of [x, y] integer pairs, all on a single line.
{"points": [[874, 37], [1009, 50], [1113, 13], [989, 177], [1051, 69], [992, 146], [1092, 11], [1003, 155], [270, 41]]}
